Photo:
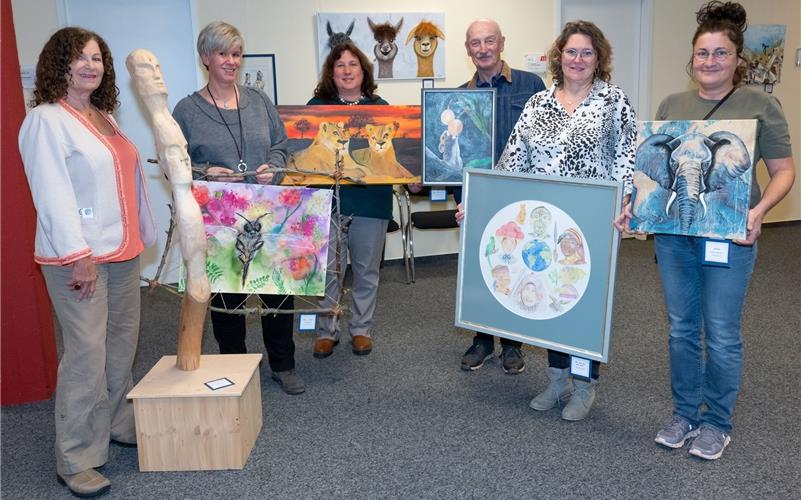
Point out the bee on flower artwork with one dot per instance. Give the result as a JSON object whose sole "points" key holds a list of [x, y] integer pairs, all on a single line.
{"points": [[264, 238]]}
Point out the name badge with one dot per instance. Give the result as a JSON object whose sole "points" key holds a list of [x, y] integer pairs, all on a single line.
{"points": [[307, 322], [580, 367], [86, 213], [439, 194], [716, 253]]}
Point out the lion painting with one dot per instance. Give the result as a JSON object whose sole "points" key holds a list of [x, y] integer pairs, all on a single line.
{"points": [[379, 157], [320, 156]]}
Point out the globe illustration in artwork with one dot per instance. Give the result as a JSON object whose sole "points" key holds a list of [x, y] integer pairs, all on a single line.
{"points": [[537, 255]]}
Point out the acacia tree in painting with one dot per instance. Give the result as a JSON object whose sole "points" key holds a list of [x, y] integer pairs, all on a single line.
{"points": [[303, 125]]}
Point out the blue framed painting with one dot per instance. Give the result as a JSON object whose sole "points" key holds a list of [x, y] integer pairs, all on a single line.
{"points": [[537, 260], [458, 133], [693, 178]]}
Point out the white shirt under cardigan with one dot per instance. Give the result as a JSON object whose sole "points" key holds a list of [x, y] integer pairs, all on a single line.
{"points": [[72, 171], [596, 142]]}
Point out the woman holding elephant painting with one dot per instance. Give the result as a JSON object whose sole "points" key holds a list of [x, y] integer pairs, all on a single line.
{"points": [[712, 296]]}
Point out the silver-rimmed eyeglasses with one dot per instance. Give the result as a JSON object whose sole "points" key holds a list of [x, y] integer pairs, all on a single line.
{"points": [[584, 53], [717, 54]]}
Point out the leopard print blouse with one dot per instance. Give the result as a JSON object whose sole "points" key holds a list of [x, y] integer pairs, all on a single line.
{"points": [[596, 142]]}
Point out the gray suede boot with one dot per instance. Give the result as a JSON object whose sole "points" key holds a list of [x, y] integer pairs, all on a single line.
{"points": [[559, 389], [583, 396]]}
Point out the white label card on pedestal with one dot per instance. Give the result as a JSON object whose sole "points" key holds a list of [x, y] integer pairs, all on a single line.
{"points": [[579, 367], [716, 253], [307, 322], [219, 383], [439, 195]]}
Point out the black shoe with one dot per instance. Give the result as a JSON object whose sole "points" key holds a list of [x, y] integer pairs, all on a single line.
{"points": [[512, 358], [474, 358]]}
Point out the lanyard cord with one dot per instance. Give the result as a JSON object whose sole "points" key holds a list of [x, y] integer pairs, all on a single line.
{"points": [[242, 166], [719, 103]]}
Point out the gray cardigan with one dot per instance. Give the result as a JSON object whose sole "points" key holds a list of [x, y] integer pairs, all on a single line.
{"points": [[211, 144]]}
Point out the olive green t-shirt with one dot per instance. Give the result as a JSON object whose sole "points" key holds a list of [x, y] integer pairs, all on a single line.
{"points": [[773, 135]]}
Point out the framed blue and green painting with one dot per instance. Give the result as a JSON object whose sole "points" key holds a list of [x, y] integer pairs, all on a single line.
{"points": [[694, 178], [458, 133], [537, 260]]}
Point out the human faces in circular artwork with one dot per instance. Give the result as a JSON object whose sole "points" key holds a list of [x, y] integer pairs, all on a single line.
{"points": [[540, 221], [530, 295], [508, 244], [579, 59], [715, 72], [223, 65], [569, 244], [86, 72], [348, 75]]}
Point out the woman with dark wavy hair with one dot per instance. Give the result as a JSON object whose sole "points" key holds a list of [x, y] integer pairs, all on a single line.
{"points": [[347, 78], [705, 386], [346, 89], [92, 222]]}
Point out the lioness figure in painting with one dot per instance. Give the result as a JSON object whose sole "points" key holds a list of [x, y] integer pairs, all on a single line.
{"points": [[379, 157], [320, 156]]}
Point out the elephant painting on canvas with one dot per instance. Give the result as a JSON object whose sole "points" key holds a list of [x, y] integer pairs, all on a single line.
{"points": [[694, 178]]}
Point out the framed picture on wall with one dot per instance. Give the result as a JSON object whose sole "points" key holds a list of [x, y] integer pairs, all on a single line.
{"points": [[258, 70], [401, 45], [458, 132], [537, 260]]}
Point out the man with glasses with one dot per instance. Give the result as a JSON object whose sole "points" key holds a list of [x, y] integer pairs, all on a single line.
{"points": [[484, 43]]}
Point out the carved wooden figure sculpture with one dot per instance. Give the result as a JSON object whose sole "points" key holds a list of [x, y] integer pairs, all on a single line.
{"points": [[174, 161]]}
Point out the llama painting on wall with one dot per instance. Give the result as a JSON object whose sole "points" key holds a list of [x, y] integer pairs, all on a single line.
{"points": [[265, 239], [694, 178], [374, 144], [399, 45], [458, 133], [764, 53]]}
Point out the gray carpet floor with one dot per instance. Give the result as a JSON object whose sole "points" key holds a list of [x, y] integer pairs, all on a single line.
{"points": [[406, 422]]}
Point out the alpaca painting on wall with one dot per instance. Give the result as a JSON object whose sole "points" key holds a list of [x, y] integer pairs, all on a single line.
{"points": [[694, 178], [400, 46], [374, 144], [458, 133], [265, 239]]}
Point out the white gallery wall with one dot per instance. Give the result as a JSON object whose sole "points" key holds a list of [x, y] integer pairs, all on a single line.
{"points": [[287, 29]]}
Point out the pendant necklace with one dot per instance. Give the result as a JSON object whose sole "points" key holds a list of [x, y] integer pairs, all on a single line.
{"points": [[241, 166]]}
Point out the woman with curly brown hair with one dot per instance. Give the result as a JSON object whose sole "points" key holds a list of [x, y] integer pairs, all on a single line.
{"points": [[93, 221], [583, 127]]}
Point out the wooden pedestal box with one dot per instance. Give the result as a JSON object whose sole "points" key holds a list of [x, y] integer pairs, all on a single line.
{"points": [[181, 424]]}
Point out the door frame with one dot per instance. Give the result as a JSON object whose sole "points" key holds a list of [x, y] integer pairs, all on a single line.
{"points": [[643, 104]]}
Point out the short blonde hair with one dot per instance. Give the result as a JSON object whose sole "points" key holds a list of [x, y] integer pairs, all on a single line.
{"points": [[217, 36]]}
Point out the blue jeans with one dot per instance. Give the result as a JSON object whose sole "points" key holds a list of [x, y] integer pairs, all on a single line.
{"points": [[711, 298]]}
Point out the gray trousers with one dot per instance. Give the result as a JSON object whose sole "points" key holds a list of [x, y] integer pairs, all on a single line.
{"points": [[100, 336], [364, 241]]}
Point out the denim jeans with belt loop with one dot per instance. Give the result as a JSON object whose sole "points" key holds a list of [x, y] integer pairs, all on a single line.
{"points": [[711, 298]]}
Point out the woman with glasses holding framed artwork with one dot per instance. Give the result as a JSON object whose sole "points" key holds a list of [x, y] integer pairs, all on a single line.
{"points": [[583, 127], [713, 296]]}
